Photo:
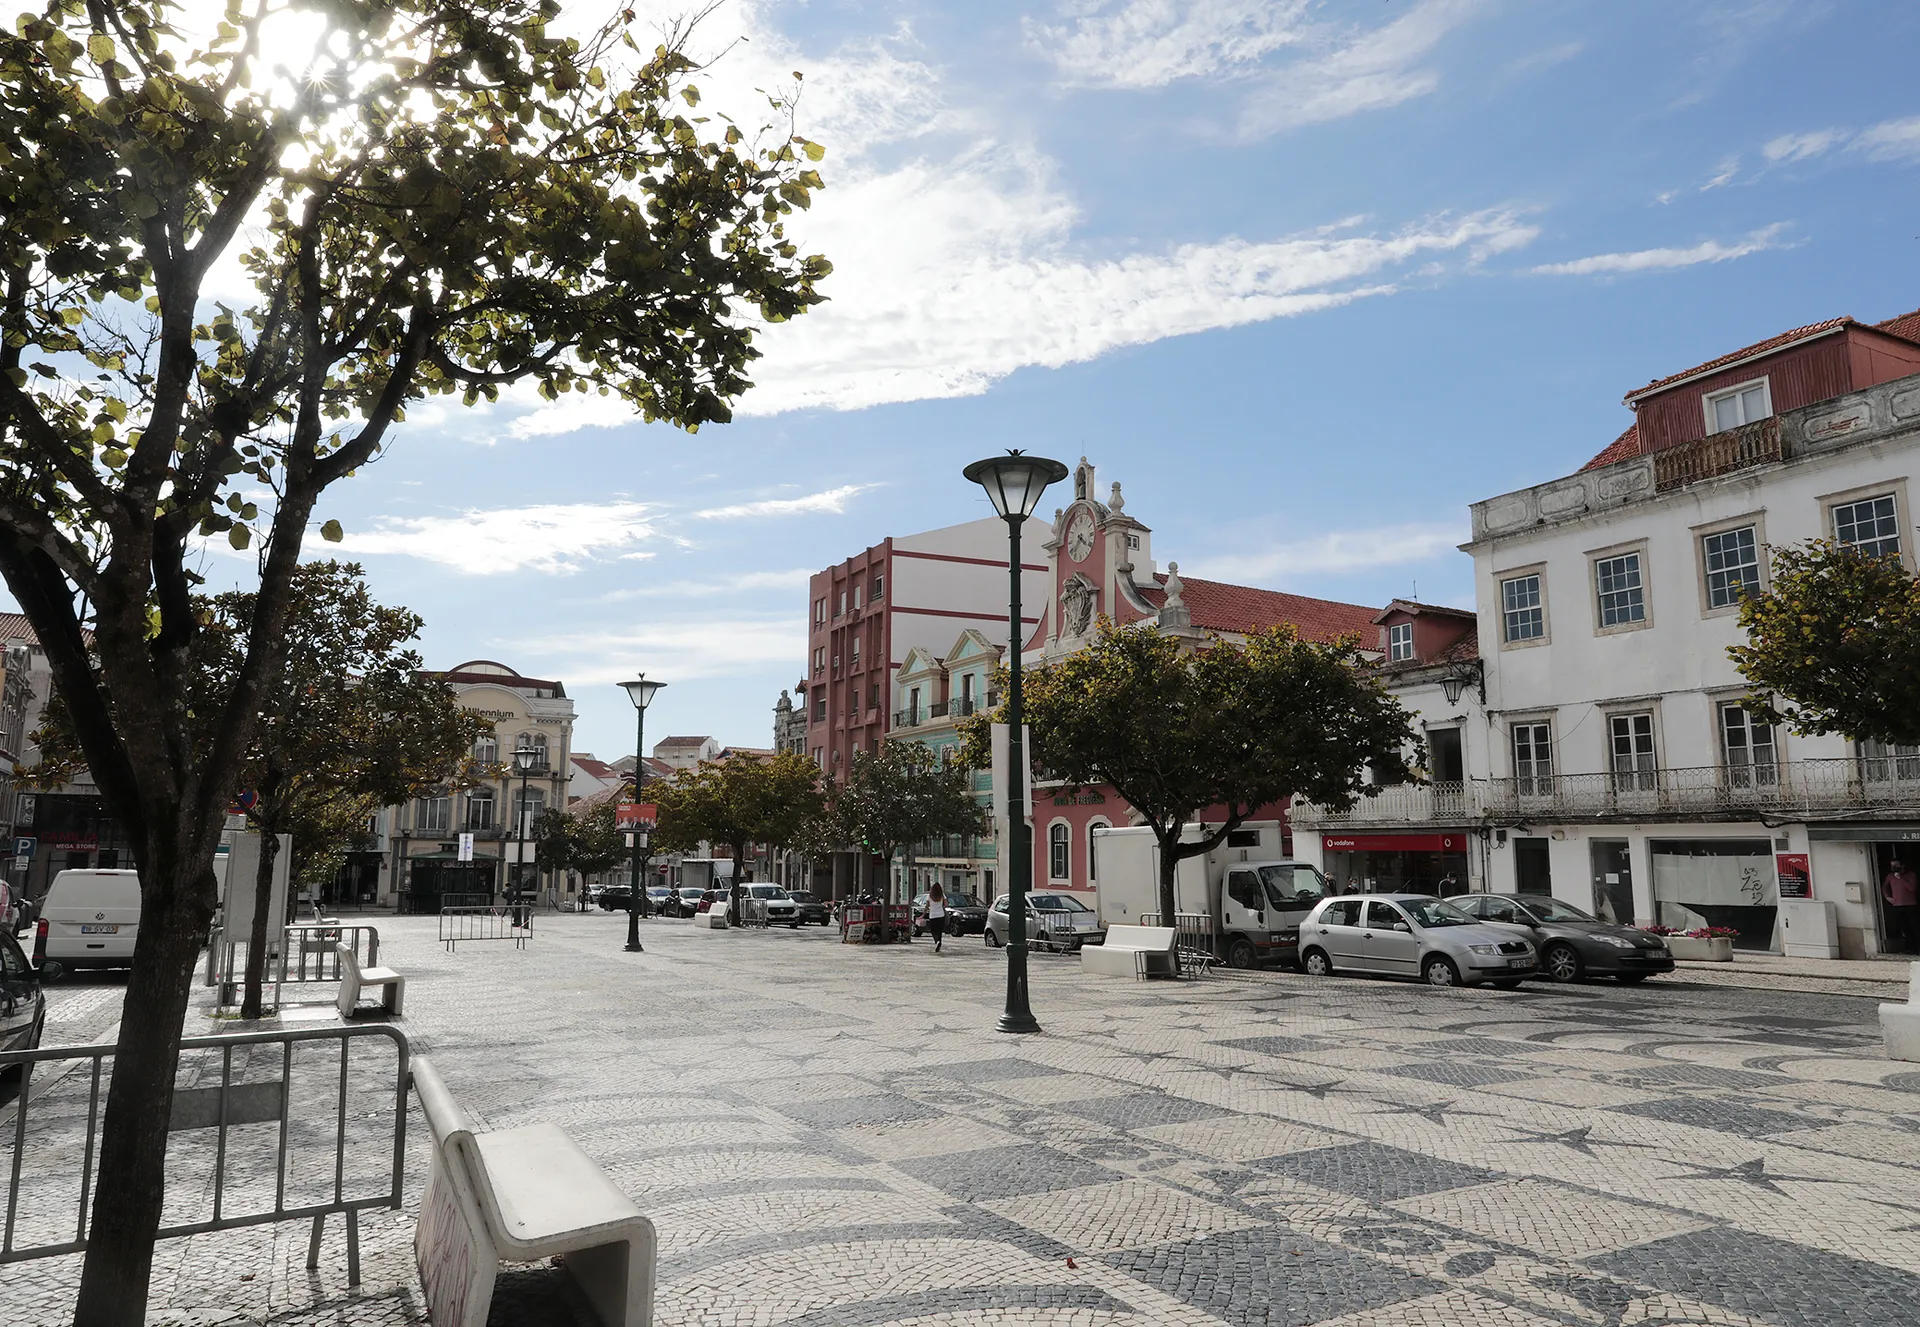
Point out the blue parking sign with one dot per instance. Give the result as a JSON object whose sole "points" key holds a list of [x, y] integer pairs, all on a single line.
{"points": [[23, 847]]}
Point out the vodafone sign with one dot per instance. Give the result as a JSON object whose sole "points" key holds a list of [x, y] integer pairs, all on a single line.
{"points": [[1454, 842]]}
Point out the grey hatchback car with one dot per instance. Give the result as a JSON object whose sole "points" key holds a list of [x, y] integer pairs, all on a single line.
{"points": [[1574, 944], [1411, 935]]}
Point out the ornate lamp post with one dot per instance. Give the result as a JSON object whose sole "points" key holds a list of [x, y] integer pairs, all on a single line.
{"points": [[641, 693], [1014, 483], [524, 758]]}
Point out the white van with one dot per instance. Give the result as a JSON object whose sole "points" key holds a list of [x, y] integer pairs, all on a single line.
{"points": [[89, 919]]}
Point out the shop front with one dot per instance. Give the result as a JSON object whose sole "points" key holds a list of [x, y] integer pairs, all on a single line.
{"points": [[1411, 863]]}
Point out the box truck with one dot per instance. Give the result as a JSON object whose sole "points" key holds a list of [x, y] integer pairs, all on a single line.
{"points": [[1242, 900]]}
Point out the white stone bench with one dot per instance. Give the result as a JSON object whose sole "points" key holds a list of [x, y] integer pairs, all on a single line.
{"points": [[1137, 951], [353, 978], [713, 920], [520, 1196], [1900, 1023]]}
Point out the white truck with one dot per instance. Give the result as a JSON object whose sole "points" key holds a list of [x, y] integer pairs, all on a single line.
{"points": [[1242, 900]]}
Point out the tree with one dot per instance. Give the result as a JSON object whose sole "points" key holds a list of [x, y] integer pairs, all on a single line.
{"points": [[901, 796], [436, 198], [1832, 644], [588, 841], [738, 801], [1238, 726]]}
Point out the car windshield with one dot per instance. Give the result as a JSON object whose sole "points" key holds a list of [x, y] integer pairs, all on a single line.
{"points": [[962, 901], [799, 896], [1059, 903], [1431, 912], [1553, 910], [1293, 886]]}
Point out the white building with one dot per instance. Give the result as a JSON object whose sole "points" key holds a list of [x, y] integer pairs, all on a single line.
{"points": [[1612, 764]]}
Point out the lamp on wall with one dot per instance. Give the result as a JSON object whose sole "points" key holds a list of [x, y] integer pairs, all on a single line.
{"points": [[1470, 673]]}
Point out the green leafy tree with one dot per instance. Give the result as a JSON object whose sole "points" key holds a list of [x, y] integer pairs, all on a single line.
{"points": [[738, 801], [431, 198], [901, 796], [1235, 725], [595, 841], [1832, 644]]}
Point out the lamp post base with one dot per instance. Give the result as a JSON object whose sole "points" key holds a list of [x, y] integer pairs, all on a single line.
{"points": [[633, 934], [1019, 1015], [1017, 1023]]}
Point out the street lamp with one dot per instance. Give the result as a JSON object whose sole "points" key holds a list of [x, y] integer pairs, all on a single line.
{"points": [[641, 693], [523, 762], [1014, 483], [1472, 673]]}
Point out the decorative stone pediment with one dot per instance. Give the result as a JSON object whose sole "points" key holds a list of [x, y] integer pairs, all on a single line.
{"points": [[1079, 602]]}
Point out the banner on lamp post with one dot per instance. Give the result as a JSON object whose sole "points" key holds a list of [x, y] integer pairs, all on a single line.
{"points": [[634, 816], [466, 847]]}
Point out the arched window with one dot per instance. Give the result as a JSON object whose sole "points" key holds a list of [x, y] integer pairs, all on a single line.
{"points": [[1093, 850], [486, 749], [1059, 851]]}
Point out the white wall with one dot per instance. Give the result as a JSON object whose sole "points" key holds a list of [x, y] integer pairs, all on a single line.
{"points": [[977, 588]]}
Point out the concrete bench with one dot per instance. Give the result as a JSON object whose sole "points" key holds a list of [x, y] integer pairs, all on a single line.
{"points": [[353, 978], [520, 1196], [714, 920], [1900, 1023], [1137, 951]]}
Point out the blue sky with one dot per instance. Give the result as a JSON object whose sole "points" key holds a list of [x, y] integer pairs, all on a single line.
{"points": [[1308, 278]]}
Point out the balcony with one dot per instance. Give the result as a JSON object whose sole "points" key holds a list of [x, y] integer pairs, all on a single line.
{"points": [[906, 718], [1717, 454], [1836, 789]]}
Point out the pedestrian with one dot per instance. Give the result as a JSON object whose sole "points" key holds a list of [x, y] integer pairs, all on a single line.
{"points": [[1448, 886], [936, 914], [1902, 893]]}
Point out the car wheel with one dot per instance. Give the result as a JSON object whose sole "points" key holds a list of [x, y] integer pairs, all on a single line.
{"points": [[1633, 978], [1242, 954], [1315, 963], [1440, 971], [1508, 983], [993, 938], [1562, 963], [793, 926]]}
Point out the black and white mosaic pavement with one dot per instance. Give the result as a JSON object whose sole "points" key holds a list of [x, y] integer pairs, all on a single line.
{"points": [[837, 1135]]}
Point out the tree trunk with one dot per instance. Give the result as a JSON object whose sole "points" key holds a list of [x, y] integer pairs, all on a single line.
{"points": [[133, 1139], [740, 874], [1169, 864], [257, 938]]}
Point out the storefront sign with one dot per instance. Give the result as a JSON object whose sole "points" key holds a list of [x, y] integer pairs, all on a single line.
{"points": [[69, 838], [1453, 842], [1796, 874]]}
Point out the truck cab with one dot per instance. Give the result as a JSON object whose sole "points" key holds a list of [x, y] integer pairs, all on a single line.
{"points": [[1261, 907]]}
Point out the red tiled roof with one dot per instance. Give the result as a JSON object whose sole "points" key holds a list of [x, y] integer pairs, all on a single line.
{"points": [[14, 626], [1621, 448], [1415, 606], [495, 679], [1906, 326], [599, 769], [1217, 606], [691, 742]]}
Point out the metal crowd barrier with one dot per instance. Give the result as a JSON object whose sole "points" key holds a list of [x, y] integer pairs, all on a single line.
{"points": [[307, 952], [301, 1170], [1194, 936], [510, 921]]}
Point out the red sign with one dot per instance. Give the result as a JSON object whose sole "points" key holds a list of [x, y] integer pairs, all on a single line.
{"points": [[634, 815], [1394, 842], [1796, 874]]}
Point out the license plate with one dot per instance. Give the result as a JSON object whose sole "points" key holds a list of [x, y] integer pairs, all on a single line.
{"points": [[99, 930], [1519, 962]]}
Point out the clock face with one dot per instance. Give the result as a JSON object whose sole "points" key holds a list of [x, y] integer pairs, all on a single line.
{"points": [[1080, 538]]}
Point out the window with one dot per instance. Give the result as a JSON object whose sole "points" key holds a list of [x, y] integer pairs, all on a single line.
{"points": [[1738, 405], [819, 752], [1732, 559], [1521, 615], [480, 809], [858, 591], [1871, 525], [856, 647], [433, 815], [1622, 598], [528, 803], [1093, 857], [1884, 762], [1133, 541], [879, 587], [841, 608], [913, 705], [1746, 748], [1533, 759], [820, 708], [1399, 642], [1343, 912], [540, 751], [873, 696], [1383, 916], [819, 658], [1633, 762], [1058, 858], [1243, 887], [966, 693], [486, 749], [819, 611]]}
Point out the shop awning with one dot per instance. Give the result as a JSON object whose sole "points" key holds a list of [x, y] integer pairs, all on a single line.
{"points": [[1452, 840], [1907, 833]]}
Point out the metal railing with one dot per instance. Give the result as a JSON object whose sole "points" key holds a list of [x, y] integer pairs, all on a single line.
{"points": [[260, 1081], [307, 952], [906, 718], [1193, 934], [1834, 786], [1717, 454], [506, 921]]}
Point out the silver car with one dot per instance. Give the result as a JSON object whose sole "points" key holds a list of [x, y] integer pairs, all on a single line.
{"points": [[1055, 920], [1412, 935]]}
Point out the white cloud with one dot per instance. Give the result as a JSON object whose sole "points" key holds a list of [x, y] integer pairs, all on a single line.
{"points": [[744, 583], [1723, 174], [1648, 260], [547, 537], [1335, 551], [1890, 140], [1150, 43], [1799, 147], [685, 649], [832, 500]]}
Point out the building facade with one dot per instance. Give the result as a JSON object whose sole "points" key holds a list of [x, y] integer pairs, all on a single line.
{"points": [[936, 692], [1613, 764]]}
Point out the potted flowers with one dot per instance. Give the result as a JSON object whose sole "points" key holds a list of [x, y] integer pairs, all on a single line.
{"points": [[1712, 944]]}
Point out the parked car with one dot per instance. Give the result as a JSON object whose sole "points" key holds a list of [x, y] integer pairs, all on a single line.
{"points": [[1573, 944], [685, 901], [1054, 921], [1412, 935], [812, 910], [966, 915], [23, 1009], [658, 897], [89, 919], [616, 898], [781, 909]]}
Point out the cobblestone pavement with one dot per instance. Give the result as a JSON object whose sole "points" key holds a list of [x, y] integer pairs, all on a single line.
{"points": [[828, 1135]]}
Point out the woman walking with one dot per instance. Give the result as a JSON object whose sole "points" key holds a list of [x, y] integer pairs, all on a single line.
{"points": [[936, 914]]}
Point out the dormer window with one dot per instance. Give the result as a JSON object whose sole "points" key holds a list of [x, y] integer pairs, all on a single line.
{"points": [[1738, 405], [1400, 642]]}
